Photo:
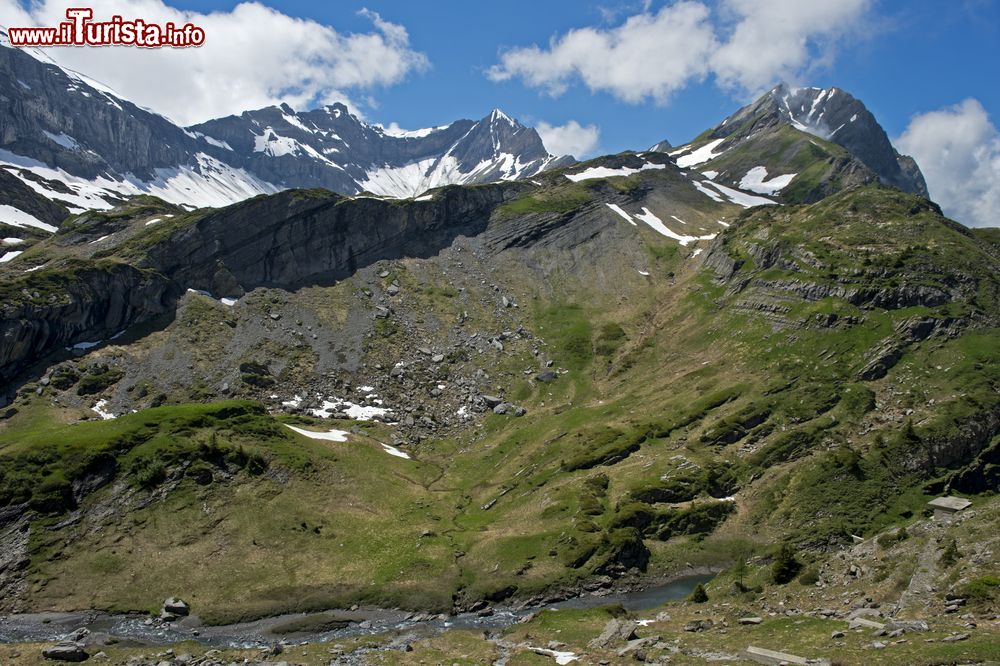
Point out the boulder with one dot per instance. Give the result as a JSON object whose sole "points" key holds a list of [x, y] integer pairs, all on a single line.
{"points": [[637, 644], [615, 631], [491, 401], [772, 657], [67, 651], [175, 606], [909, 626], [699, 625], [864, 612], [750, 620]]}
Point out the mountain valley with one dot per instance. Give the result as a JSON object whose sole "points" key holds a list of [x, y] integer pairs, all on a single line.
{"points": [[481, 378]]}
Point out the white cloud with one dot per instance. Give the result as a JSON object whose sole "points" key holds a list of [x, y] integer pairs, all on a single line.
{"points": [[569, 139], [748, 45], [253, 56], [958, 149], [648, 56], [776, 39]]}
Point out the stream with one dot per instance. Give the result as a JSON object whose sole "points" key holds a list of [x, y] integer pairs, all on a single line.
{"points": [[138, 629]]}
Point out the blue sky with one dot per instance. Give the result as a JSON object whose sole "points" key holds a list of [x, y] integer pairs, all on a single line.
{"points": [[594, 76], [910, 58]]}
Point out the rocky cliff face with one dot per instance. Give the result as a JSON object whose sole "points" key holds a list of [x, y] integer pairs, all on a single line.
{"points": [[79, 307], [297, 237], [288, 240]]}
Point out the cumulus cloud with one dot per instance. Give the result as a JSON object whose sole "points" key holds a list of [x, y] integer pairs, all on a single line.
{"points": [[253, 56], [958, 149], [648, 56], [569, 139], [747, 45], [776, 39]]}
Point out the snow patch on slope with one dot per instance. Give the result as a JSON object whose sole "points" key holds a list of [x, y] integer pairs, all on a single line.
{"points": [[208, 182], [616, 208], [657, 225], [755, 180], [607, 172], [742, 198], [700, 156], [329, 436], [16, 217]]}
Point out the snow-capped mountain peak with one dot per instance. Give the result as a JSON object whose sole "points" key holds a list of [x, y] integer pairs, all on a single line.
{"points": [[77, 142], [833, 115], [497, 115]]}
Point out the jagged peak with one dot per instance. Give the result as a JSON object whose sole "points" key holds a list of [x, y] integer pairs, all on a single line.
{"points": [[497, 115]]}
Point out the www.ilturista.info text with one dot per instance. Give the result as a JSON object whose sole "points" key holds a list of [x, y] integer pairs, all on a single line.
{"points": [[80, 30]]}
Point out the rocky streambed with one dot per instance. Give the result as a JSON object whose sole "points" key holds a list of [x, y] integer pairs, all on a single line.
{"points": [[320, 627]]}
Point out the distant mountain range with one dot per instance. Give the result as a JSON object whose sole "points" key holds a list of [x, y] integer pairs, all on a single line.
{"points": [[77, 143], [68, 143]]}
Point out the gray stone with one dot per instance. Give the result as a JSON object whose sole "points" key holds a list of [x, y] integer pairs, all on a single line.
{"points": [[698, 625], [637, 644], [67, 651], [750, 620], [909, 626], [862, 623], [615, 631], [491, 400], [772, 657], [176, 606]]}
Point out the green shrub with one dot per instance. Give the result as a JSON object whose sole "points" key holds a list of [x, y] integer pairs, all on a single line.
{"points": [[97, 380], [890, 539], [64, 378], [985, 588], [951, 554], [698, 595], [809, 576], [610, 338], [785, 566], [148, 473]]}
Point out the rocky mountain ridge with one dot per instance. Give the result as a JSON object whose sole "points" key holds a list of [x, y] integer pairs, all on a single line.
{"points": [[74, 142], [801, 144]]}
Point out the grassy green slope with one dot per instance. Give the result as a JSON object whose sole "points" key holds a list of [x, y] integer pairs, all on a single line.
{"points": [[702, 411]]}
